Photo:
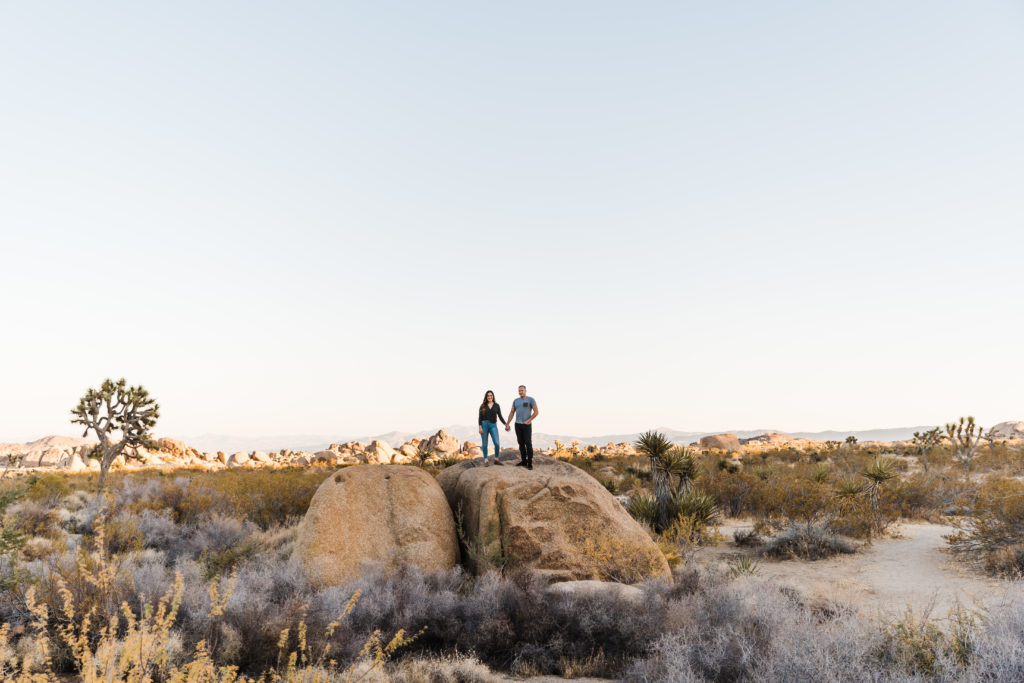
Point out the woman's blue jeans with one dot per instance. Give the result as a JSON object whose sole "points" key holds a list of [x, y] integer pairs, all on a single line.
{"points": [[492, 429]]}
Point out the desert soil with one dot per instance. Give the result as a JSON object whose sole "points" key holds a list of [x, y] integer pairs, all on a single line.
{"points": [[912, 568]]}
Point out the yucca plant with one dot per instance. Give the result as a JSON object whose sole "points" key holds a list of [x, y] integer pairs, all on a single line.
{"points": [[657, 448], [643, 508], [744, 566], [696, 504], [680, 468], [877, 473]]}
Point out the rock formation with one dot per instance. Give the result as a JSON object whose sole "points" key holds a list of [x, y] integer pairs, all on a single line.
{"points": [[555, 519], [388, 514], [724, 442], [1010, 430]]}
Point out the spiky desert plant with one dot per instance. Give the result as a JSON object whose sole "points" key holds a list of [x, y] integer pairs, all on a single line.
{"points": [[643, 508], [680, 467], [877, 474], [697, 505], [116, 408], [925, 442], [657, 447], [965, 437], [821, 473]]}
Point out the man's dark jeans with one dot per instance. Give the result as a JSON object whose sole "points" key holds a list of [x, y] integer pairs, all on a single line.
{"points": [[524, 435]]}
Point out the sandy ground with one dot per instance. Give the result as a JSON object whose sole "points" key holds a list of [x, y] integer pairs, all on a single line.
{"points": [[912, 568]]}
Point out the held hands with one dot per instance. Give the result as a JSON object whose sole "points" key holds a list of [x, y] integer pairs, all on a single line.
{"points": [[508, 426]]}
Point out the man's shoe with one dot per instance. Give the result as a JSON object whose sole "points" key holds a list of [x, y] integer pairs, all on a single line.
{"points": [[529, 466], [521, 463]]}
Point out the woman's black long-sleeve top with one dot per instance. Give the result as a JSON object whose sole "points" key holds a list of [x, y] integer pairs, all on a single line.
{"points": [[492, 414]]}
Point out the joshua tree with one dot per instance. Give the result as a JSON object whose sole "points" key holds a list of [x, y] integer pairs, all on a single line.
{"points": [[991, 436], [926, 441], [116, 408], [964, 436], [657, 448]]}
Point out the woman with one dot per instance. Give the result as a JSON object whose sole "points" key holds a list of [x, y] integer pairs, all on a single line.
{"points": [[490, 413]]}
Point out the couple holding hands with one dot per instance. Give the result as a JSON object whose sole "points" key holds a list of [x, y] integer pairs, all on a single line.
{"points": [[525, 411]]}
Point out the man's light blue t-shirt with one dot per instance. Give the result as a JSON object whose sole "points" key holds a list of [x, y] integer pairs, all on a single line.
{"points": [[523, 408]]}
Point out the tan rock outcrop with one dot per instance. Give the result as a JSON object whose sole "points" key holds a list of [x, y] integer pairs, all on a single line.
{"points": [[442, 444], [723, 442], [380, 453], [389, 514], [239, 459], [555, 519], [172, 446], [1009, 430]]}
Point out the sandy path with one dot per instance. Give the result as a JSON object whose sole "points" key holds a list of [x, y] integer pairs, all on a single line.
{"points": [[912, 568]]}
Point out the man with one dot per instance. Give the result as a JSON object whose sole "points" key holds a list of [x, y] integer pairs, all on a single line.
{"points": [[525, 410]]}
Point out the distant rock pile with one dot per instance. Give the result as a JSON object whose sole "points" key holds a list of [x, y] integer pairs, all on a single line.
{"points": [[724, 442], [1009, 430]]}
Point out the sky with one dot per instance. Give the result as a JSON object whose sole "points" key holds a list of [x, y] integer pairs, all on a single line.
{"points": [[348, 218]]}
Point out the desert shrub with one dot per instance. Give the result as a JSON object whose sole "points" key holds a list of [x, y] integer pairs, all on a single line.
{"points": [[644, 508], [747, 537], [31, 518], [997, 644], [727, 465], [222, 543], [785, 497], [123, 535], [754, 630], [731, 490], [640, 473], [994, 532], [916, 644], [265, 497], [608, 553], [440, 669], [47, 489], [158, 530], [808, 542]]}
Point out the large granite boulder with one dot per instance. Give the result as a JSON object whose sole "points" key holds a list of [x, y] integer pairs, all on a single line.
{"points": [[723, 442], [390, 515], [555, 519]]}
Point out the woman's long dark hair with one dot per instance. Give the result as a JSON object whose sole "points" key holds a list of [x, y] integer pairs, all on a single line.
{"points": [[483, 406]]}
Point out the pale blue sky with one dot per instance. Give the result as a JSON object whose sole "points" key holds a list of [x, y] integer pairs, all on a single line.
{"points": [[347, 218]]}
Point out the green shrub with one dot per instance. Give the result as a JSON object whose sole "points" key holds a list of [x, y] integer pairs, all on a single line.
{"points": [[644, 508], [807, 542]]}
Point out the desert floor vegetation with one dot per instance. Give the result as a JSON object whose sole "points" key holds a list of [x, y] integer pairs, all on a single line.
{"points": [[188, 576]]}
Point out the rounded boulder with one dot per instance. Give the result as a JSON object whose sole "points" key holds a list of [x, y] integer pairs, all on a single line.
{"points": [[389, 515], [555, 519]]}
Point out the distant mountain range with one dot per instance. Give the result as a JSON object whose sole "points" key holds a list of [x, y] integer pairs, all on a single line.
{"points": [[316, 442]]}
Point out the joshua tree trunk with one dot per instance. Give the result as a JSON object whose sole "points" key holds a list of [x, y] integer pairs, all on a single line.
{"points": [[662, 491]]}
